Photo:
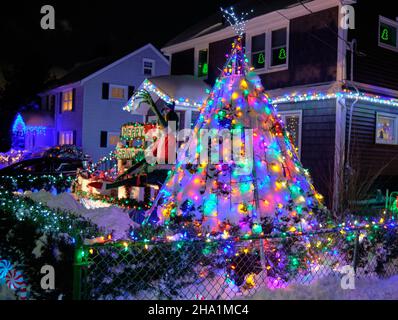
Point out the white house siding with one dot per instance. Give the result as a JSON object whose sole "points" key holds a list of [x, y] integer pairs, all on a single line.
{"points": [[107, 115]]}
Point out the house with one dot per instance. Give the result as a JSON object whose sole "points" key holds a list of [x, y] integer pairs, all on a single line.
{"points": [[33, 131], [87, 103], [336, 88]]}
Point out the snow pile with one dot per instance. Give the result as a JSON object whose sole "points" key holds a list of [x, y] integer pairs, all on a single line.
{"points": [[112, 219], [6, 293], [329, 288]]}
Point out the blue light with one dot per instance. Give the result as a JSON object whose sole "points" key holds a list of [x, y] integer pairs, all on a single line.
{"points": [[19, 125]]}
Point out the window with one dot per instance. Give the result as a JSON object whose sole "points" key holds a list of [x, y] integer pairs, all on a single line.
{"points": [[269, 50], [293, 124], [386, 128], [67, 101], [258, 51], [65, 137], [103, 139], [388, 32], [113, 138], [203, 66], [148, 67], [117, 92], [279, 47]]}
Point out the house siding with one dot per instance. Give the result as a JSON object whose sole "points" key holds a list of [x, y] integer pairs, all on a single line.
{"points": [[316, 32], [107, 115], [183, 62], [312, 52], [317, 141], [217, 51], [370, 158], [375, 65]]}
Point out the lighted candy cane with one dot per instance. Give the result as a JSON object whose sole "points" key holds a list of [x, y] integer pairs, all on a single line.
{"points": [[23, 293]]}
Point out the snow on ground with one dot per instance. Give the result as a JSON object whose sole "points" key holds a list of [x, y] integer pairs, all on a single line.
{"points": [[329, 288], [5, 293], [111, 219]]}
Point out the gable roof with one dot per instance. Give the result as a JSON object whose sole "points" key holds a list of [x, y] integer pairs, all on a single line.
{"points": [[215, 22], [85, 71]]}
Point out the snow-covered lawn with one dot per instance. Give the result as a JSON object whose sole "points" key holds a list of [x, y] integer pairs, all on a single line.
{"points": [[5, 293], [329, 288], [111, 219]]}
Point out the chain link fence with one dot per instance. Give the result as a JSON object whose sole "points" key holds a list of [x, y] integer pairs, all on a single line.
{"points": [[229, 269]]}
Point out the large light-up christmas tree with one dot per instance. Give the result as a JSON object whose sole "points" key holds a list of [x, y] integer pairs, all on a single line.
{"points": [[258, 184]]}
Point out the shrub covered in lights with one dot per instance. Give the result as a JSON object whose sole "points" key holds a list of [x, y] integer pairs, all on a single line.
{"points": [[59, 183], [33, 235]]}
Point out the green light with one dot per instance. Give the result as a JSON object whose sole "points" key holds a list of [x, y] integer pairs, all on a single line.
{"points": [[261, 58], [205, 69], [384, 35], [282, 54], [210, 205], [245, 187]]}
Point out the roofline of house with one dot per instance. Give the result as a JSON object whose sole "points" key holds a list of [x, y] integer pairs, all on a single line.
{"points": [[253, 25], [113, 64], [149, 45]]}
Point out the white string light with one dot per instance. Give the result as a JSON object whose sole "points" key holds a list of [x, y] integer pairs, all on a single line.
{"points": [[238, 23]]}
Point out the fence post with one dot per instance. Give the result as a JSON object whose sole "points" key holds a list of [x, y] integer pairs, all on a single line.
{"points": [[262, 255], [356, 246], [77, 272]]}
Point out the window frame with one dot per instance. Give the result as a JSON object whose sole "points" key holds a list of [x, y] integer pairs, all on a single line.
{"points": [[63, 109], [299, 113], [255, 52], [110, 134], [61, 133], [392, 23], [395, 118], [153, 67], [268, 47], [196, 57], [118, 86]]}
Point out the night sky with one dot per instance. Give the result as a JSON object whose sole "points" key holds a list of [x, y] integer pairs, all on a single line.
{"points": [[85, 30]]}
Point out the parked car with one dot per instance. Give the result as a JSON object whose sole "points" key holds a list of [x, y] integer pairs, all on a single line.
{"points": [[41, 166]]}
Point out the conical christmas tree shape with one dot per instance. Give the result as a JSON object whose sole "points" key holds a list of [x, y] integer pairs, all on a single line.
{"points": [[258, 184]]}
